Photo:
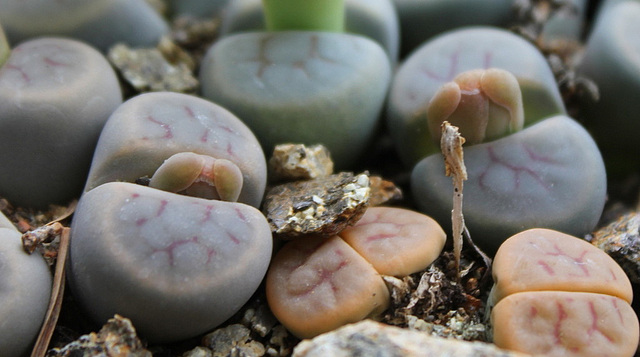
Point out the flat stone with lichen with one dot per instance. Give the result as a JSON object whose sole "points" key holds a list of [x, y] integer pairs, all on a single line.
{"points": [[370, 338], [322, 207]]}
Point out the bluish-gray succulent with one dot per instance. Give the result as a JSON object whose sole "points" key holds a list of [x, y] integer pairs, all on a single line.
{"points": [[55, 96]]}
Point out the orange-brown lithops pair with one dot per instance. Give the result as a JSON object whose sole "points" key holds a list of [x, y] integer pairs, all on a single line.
{"points": [[315, 285], [558, 295]]}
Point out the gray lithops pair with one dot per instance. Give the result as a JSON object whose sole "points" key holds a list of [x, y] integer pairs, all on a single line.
{"points": [[612, 60], [25, 289], [101, 23], [526, 167], [308, 87], [176, 265], [55, 96]]}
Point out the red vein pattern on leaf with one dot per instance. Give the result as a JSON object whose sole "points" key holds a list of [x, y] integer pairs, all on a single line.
{"points": [[50, 62], [518, 170], [326, 275], [614, 302], [579, 261], [454, 67], [23, 74], [557, 327], [313, 53], [168, 133], [263, 61], [594, 324], [170, 249]]}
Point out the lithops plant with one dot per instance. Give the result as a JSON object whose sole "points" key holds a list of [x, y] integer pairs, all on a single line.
{"points": [[612, 60], [177, 266], [25, 288], [376, 19], [298, 86], [101, 23], [55, 94], [315, 285], [441, 59], [549, 175], [557, 295], [151, 128]]}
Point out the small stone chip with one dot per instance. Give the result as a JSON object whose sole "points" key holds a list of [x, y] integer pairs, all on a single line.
{"points": [[116, 338], [369, 338], [323, 206], [146, 69], [291, 162], [233, 340], [621, 240], [383, 191]]}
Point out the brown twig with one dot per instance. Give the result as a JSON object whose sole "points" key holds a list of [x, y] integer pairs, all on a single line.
{"points": [[451, 146], [55, 304]]}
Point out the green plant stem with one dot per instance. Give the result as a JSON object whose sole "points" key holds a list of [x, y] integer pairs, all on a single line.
{"points": [[4, 48], [311, 15]]}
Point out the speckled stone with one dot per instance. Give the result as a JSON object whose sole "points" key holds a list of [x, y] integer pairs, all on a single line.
{"points": [[369, 338]]}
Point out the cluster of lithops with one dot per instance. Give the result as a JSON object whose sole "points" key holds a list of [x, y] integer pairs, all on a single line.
{"points": [[612, 61], [528, 164], [181, 256], [25, 288], [304, 81], [167, 231], [316, 284], [55, 95], [557, 295]]}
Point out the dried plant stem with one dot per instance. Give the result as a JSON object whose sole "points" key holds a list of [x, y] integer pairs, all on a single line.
{"points": [[451, 146], [55, 304]]}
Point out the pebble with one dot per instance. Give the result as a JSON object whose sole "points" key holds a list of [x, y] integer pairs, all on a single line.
{"points": [[621, 240], [370, 338], [233, 340], [324, 206], [116, 338], [146, 69], [299, 162]]}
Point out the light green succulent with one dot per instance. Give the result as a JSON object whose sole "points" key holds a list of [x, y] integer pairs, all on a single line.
{"points": [[313, 15]]}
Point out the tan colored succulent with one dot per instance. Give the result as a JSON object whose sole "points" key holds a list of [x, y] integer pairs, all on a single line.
{"points": [[484, 104]]}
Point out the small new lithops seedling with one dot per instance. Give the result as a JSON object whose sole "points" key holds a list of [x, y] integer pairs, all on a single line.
{"points": [[55, 94], [483, 104], [177, 266], [148, 130], [557, 295], [25, 288], [315, 285], [199, 176], [442, 59]]}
